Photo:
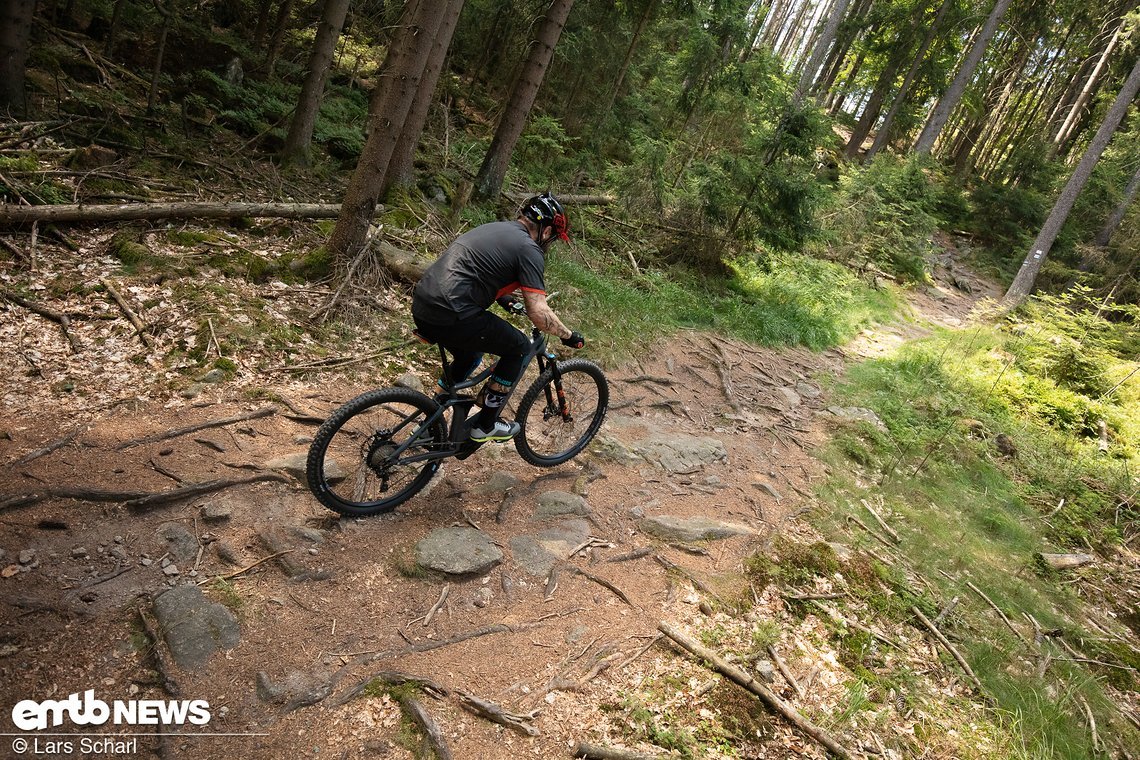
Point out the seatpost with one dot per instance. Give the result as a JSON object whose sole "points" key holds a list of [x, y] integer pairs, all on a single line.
{"points": [[446, 367]]}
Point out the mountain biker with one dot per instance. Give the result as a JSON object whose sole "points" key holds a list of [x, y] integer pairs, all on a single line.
{"points": [[482, 266]]}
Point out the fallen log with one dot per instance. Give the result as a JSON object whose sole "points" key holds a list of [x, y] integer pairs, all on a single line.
{"points": [[432, 733], [766, 695], [1066, 561], [597, 752], [949, 648], [492, 712], [12, 214], [60, 318], [407, 266]]}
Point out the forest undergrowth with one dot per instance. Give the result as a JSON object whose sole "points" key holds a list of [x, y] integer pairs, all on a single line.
{"points": [[1001, 444]]}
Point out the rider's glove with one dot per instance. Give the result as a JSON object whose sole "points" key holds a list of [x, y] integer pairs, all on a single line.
{"points": [[512, 305], [575, 340]]}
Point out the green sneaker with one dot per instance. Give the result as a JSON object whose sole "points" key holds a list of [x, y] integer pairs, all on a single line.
{"points": [[499, 432]]}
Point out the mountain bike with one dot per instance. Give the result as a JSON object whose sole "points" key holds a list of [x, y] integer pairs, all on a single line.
{"points": [[384, 446]]}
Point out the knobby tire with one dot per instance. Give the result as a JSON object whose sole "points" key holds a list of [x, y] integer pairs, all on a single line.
{"points": [[546, 439], [362, 429]]}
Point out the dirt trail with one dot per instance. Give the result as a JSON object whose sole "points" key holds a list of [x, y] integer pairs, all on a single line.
{"points": [[344, 600]]}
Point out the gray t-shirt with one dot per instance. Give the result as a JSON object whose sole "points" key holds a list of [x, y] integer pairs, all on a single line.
{"points": [[482, 264]]}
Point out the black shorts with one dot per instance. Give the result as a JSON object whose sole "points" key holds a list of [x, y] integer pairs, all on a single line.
{"points": [[485, 333]]}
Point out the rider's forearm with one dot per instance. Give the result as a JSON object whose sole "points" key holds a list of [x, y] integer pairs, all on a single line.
{"points": [[544, 318]]}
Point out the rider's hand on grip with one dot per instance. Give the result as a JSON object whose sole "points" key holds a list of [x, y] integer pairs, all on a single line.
{"points": [[575, 340], [512, 304]]}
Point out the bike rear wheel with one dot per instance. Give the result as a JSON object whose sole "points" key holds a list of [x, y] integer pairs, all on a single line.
{"points": [[353, 467], [561, 415]]}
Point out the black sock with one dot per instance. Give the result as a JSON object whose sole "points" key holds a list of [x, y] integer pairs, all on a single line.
{"points": [[492, 406]]}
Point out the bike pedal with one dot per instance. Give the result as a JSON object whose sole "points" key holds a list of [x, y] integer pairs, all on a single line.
{"points": [[467, 449]]}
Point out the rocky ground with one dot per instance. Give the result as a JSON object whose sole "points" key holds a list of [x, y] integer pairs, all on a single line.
{"points": [[537, 591]]}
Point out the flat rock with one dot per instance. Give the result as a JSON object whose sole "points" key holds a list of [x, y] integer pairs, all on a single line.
{"points": [[560, 503], [672, 528], [852, 413], [499, 482], [790, 398], [457, 551], [807, 390], [295, 465], [181, 544], [216, 511], [194, 626], [610, 449], [411, 381], [680, 453], [536, 553]]}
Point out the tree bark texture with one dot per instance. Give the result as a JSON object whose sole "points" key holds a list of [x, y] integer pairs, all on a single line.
{"points": [[392, 100], [1068, 126], [848, 32], [15, 32], [279, 28], [14, 215], [953, 94], [1026, 277], [1117, 216], [489, 180], [822, 45], [874, 106], [883, 134], [160, 53], [299, 141], [403, 160]]}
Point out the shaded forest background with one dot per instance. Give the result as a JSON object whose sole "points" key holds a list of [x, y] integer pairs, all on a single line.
{"points": [[767, 171], [724, 132]]}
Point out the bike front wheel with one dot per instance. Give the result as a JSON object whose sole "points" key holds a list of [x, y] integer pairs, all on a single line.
{"points": [[375, 452], [561, 412]]}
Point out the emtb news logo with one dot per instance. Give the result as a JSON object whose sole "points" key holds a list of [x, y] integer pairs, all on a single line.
{"points": [[30, 715]]}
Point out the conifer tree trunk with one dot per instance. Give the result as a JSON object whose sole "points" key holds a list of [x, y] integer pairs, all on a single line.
{"points": [[646, 16], [278, 39], [822, 45], [874, 105], [299, 140], [792, 31], [846, 37], [953, 94], [1068, 126], [403, 160], [1110, 226], [1026, 277], [761, 11], [113, 29], [778, 18], [15, 33], [489, 180], [882, 135], [839, 95], [167, 19], [392, 99]]}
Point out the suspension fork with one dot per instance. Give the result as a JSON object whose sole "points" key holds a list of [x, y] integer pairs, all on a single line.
{"points": [[555, 400]]}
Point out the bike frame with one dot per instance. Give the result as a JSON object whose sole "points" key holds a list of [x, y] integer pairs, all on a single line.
{"points": [[452, 398]]}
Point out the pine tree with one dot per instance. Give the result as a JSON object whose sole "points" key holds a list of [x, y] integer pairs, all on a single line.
{"points": [[493, 171], [15, 32], [1026, 277], [298, 142]]}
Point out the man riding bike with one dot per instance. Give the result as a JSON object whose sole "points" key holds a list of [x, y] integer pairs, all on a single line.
{"points": [[484, 265]]}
